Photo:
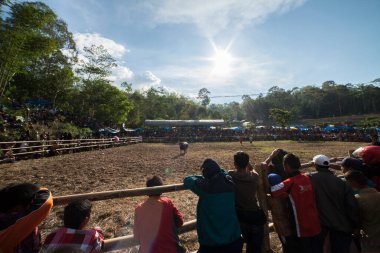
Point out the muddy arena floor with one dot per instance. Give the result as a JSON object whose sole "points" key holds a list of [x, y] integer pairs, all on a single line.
{"points": [[129, 166]]}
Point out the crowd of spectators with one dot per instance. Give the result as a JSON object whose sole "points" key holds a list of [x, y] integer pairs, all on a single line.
{"points": [[196, 134], [312, 212]]}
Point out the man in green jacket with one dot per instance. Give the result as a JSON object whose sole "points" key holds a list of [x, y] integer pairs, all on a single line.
{"points": [[217, 224]]}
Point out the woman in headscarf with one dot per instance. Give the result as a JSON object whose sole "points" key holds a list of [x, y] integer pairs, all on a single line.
{"points": [[217, 224]]}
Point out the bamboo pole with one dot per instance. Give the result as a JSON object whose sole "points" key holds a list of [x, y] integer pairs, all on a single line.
{"points": [[128, 241], [95, 196]]}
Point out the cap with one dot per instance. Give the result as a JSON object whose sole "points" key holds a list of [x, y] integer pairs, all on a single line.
{"points": [[274, 179], [321, 160]]}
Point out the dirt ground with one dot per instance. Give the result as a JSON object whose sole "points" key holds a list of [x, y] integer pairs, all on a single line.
{"points": [[129, 166]]}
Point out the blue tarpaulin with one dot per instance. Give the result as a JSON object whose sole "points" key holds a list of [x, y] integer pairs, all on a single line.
{"points": [[38, 102]]}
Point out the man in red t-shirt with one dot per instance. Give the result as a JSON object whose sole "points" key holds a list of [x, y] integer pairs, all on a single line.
{"points": [[299, 189], [156, 223]]}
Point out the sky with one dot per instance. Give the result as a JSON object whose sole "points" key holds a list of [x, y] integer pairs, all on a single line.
{"points": [[230, 47]]}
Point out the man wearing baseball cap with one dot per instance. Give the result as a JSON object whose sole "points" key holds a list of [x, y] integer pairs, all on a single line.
{"points": [[336, 204]]}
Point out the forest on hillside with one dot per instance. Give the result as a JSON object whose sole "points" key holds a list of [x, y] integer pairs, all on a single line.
{"points": [[39, 62]]}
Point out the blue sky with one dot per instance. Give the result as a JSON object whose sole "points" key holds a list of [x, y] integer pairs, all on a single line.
{"points": [[231, 47]]}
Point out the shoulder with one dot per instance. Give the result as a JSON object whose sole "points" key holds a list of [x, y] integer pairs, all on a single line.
{"points": [[166, 201]]}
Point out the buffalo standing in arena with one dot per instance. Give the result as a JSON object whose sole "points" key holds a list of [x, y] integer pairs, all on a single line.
{"points": [[183, 146]]}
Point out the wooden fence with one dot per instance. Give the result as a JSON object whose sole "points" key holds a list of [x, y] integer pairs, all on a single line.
{"points": [[20, 149]]}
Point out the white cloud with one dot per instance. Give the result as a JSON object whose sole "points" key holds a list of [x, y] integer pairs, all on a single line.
{"points": [[146, 79], [115, 49], [121, 74], [215, 16]]}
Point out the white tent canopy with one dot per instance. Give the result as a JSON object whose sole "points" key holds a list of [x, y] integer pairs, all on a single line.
{"points": [[175, 123]]}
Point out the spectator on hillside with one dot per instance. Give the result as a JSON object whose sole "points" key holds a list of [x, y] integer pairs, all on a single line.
{"points": [[250, 215], [369, 210], [299, 189], [23, 207], [217, 224], [156, 223], [73, 235], [336, 205]]}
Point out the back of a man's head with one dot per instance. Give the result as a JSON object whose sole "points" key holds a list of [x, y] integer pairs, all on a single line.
{"points": [[154, 181], [15, 195], [76, 213], [241, 160], [292, 161], [357, 177]]}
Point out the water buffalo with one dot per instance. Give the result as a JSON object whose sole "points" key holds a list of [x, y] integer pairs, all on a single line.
{"points": [[183, 147]]}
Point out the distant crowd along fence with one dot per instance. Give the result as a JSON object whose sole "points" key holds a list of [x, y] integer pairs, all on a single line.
{"points": [[54, 147], [128, 241]]}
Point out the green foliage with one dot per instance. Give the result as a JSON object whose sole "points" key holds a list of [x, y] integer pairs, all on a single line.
{"points": [[281, 117], [32, 30], [203, 95]]}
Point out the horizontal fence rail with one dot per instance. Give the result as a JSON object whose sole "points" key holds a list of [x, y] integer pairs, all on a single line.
{"points": [[43, 147], [95, 196]]}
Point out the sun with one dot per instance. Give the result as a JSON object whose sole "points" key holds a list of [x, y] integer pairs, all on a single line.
{"points": [[222, 62]]}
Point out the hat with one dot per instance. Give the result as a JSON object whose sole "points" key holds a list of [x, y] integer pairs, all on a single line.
{"points": [[274, 179], [321, 160]]}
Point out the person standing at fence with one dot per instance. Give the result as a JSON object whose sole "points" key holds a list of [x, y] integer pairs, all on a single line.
{"points": [[299, 189], [217, 223], [156, 223], [73, 236], [369, 210], [251, 217], [336, 205], [23, 207]]}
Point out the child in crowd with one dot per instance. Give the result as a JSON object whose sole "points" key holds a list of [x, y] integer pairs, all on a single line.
{"points": [[156, 223], [23, 207], [73, 236]]}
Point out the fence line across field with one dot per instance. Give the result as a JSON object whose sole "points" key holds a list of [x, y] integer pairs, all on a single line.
{"points": [[61, 145]]}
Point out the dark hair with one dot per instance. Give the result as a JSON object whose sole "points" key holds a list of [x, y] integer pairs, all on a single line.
{"points": [[76, 212], [17, 194], [292, 161], [241, 159], [278, 158], [154, 181], [356, 176]]}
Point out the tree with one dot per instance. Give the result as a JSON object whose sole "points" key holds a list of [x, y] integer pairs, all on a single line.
{"points": [[31, 30], [48, 78], [98, 63], [281, 117], [203, 95]]}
